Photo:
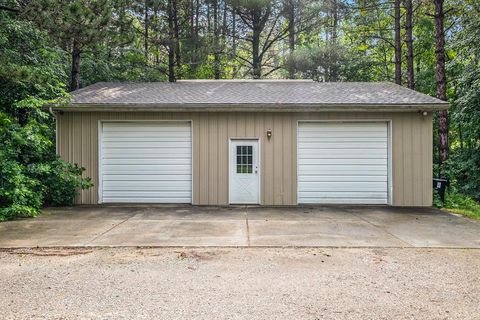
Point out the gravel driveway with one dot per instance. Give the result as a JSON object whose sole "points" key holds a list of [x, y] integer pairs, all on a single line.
{"points": [[240, 283]]}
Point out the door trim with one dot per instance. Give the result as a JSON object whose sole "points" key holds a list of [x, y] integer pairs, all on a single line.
{"points": [[230, 140], [389, 123], [100, 155]]}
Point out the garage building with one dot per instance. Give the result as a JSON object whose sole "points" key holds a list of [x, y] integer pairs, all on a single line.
{"points": [[283, 142]]}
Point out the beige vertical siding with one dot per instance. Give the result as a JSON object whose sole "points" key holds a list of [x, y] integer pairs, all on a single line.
{"points": [[411, 151]]}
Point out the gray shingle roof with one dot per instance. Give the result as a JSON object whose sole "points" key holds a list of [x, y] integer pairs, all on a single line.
{"points": [[256, 94]]}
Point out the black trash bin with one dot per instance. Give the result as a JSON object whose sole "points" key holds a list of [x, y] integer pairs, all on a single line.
{"points": [[440, 185]]}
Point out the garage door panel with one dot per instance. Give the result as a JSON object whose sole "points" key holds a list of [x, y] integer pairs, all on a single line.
{"points": [[145, 126], [341, 126], [345, 200], [147, 144], [148, 194], [135, 184], [328, 177], [147, 177], [340, 185], [344, 195], [338, 169], [147, 139], [343, 135], [333, 154], [147, 200], [335, 139], [343, 162], [340, 161], [109, 153], [142, 135], [344, 145], [173, 170], [146, 162], [146, 130]]}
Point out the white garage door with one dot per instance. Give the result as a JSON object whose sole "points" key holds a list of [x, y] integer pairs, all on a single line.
{"points": [[343, 162], [146, 162]]}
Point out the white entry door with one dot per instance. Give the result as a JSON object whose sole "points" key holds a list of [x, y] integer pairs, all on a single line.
{"points": [[244, 172]]}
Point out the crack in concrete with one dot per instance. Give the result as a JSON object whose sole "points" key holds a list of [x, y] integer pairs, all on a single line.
{"points": [[383, 229], [248, 228], [110, 229]]}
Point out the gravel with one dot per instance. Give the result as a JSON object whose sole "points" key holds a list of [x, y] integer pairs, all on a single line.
{"points": [[240, 283]]}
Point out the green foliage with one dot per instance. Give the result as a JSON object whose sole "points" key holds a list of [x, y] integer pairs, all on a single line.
{"points": [[19, 194], [463, 167], [110, 64], [330, 63], [31, 175], [463, 171], [60, 181], [68, 20], [32, 73], [31, 68], [458, 203]]}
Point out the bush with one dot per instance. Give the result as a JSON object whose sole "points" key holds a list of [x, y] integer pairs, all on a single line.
{"points": [[31, 175], [20, 195], [61, 181], [463, 171], [458, 203]]}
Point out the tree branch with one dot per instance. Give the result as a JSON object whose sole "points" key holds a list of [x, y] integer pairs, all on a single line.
{"points": [[5, 8]]}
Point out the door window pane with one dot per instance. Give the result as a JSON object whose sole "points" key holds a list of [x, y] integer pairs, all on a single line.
{"points": [[244, 159]]}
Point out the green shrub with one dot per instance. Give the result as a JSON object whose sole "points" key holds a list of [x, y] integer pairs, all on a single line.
{"points": [[31, 175], [20, 195], [61, 181], [463, 171], [458, 203]]}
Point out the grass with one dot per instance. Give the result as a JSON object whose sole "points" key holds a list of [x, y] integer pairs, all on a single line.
{"points": [[460, 204]]}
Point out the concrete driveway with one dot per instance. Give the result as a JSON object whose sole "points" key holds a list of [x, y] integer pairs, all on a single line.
{"points": [[170, 225]]}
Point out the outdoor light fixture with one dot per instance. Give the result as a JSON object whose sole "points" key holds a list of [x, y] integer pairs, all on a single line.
{"points": [[424, 113], [269, 133]]}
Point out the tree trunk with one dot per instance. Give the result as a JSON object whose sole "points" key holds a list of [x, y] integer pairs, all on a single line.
{"points": [[224, 23], [75, 75], [178, 56], [256, 63], [335, 22], [216, 55], [398, 43], [441, 80], [171, 42], [192, 18], [334, 67], [208, 18], [234, 40], [409, 42], [197, 17], [145, 32], [291, 36]]}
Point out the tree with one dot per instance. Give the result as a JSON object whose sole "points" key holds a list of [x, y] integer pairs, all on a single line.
{"points": [[409, 43], [216, 41], [76, 25], [290, 13], [31, 74], [441, 79], [262, 28], [171, 40], [398, 43]]}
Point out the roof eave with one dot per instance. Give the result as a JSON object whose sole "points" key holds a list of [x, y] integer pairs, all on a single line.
{"points": [[277, 107]]}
